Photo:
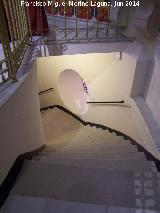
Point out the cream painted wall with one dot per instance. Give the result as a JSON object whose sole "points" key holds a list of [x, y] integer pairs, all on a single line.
{"points": [[20, 122]]}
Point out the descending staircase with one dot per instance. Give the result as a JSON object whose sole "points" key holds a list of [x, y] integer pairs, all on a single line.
{"points": [[85, 169]]}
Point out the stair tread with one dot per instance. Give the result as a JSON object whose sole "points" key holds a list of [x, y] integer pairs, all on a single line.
{"points": [[94, 145], [91, 185], [25, 204], [28, 204], [100, 155], [19, 204], [86, 160], [106, 164], [114, 209], [90, 149], [99, 141]]}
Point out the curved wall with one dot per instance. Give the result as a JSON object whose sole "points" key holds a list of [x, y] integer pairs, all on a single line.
{"points": [[20, 122]]}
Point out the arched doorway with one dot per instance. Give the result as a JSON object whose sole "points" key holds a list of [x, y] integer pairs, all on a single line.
{"points": [[72, 92]]}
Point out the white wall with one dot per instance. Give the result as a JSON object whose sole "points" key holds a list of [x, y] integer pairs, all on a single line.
{"points": [[153, 94], [20, 121]]}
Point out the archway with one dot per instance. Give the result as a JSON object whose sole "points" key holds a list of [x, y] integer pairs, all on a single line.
{"points": [[72, 92]]}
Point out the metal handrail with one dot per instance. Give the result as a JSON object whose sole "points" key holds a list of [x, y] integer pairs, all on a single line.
{"points": [[105, 102], [14, 37], [60, 35], [46, 91]]}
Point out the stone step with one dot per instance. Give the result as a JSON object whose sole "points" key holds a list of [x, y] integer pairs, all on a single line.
{"points": [[37, 158], [94, 145], [94, 133], [26, 204], [61, 206], [96, 136], [88, 130], [90, 149], [130, 165], [101, 162], [142, 209], [86, 141], [90, 185], [112, 156]]}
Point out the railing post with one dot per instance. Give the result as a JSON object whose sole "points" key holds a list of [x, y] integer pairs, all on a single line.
{"points": [[28, 23], [14, 36], [4, 37], [76, 21], [108, 24], [97, 31], [65, 21], [87, 20], [118, 22]]}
